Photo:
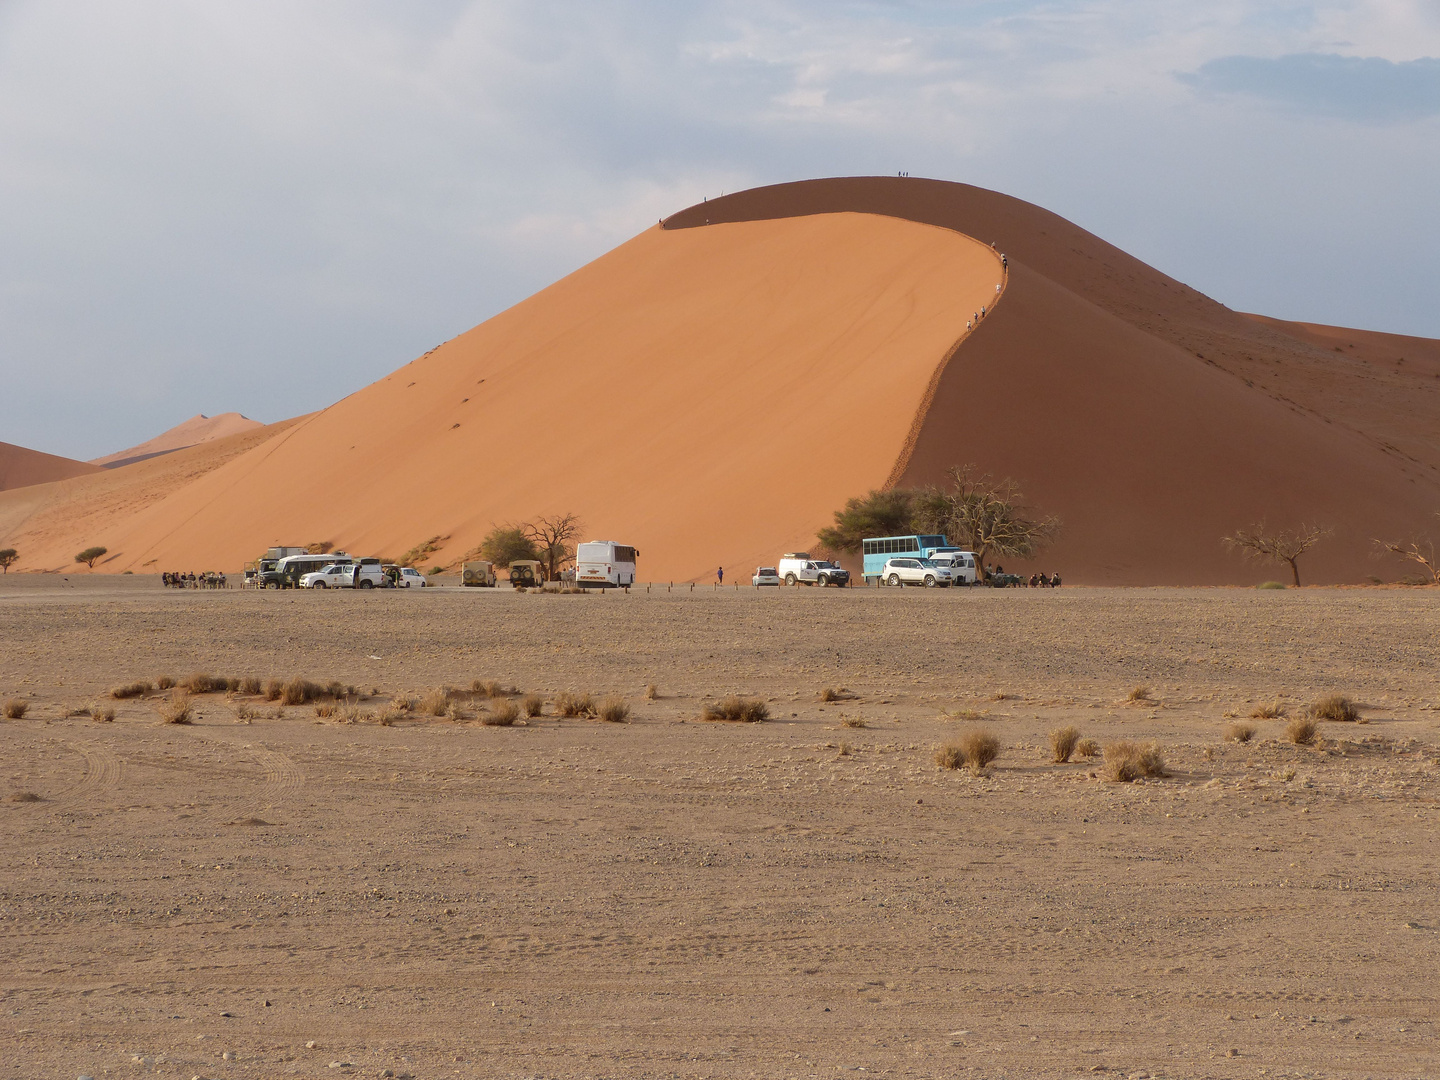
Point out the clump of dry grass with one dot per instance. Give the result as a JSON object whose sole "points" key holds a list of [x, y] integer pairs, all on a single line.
{"points": [[533, 705], [1139, 695], [131, 690], [846, 749], [572, 706], [246, 712], [1268, 710], [200, 683], [1000, 695], [652, 692], [434, 703], [832, 693], [852, 721], [950, 756], [1126, 761], [388, 717], [502, 715], [165, 682], [1241, 733], [1087, 748], [274, 689], [454, 712], [250, 685], [16, 708], [614, 710], [23, 796], [1063, 742], [488, 687], [981, 748], [300, 691], [177, 710], [737, 709], [325, 709], [1336, 707], [404, 702], [103, 714], [1302, 730], [971, 715]]}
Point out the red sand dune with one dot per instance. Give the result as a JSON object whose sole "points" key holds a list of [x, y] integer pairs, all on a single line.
{"points": [[20, 467], [198, 429], [714, 388]]}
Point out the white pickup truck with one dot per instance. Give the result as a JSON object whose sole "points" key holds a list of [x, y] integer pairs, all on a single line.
{"points": [[798, 568]]}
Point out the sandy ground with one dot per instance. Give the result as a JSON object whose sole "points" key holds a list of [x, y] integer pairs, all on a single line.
{"points": [[669, 898]]}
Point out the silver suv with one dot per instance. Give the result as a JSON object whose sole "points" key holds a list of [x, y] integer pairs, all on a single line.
{"points": [[925, 572]]}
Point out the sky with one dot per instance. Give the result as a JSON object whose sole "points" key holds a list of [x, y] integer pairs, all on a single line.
{"points": [[264, 206]]}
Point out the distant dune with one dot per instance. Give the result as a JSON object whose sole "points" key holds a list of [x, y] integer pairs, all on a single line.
{"points": [[198, 429], [713, 389], [20, 467]]}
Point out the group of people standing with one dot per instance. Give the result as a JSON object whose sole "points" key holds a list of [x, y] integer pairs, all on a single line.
{"points": [[207, 580]]}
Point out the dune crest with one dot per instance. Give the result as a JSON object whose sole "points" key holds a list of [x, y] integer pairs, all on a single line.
{"points": [[22, 467], [198, 429]]}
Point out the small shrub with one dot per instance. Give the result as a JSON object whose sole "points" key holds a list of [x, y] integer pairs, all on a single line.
{"points": [[1241, 733], [336, 689], [250, 685], [574, 705], [104, 714], [1140, 695], [164, 682], [1000, 695], [1302, 730], [454, 712], [404, 702], [846, 749], [1270, 710], [1063, 742], [1335, 707], [325, 710], [738, 710], [502, 715], [614, 710], [950, 756], [435, 703], [652, 692], [388, 717], [16, 708], [533, 705], [177, 709], [300, 691], [134, 689], [1272, 585], [1126, 761], [200, 683], [23, 796], [274, 688], [852, 721], [489, 687], [1087, 748], [246, 712], [829, 695], [981, 748]]}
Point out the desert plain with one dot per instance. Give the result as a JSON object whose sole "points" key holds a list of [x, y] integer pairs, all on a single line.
{"points": [[270, 892]]}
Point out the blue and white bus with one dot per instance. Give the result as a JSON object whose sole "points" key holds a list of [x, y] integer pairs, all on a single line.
{"points": [[880, 548]]}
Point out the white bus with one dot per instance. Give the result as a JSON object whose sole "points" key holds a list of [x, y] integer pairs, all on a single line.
{"points": [[604, 564]]}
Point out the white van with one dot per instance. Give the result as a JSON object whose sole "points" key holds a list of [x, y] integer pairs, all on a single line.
{"points": [[604, 564], [961, 564]]}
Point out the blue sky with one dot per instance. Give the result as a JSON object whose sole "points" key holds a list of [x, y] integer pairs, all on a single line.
{"points": [[264, 206]]}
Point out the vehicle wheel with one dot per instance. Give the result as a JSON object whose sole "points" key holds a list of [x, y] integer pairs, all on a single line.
{"points": [[929, 581], [273, 585], [822, 581], [367, 584], [320, 585], [893, 580], [789, 579]]}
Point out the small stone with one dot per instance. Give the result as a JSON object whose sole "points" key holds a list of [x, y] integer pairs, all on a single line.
{"points": [[82, 1077], [227, 1056], [341, 1065], [1232, 1052], [310, 1045], [387, 1073]]}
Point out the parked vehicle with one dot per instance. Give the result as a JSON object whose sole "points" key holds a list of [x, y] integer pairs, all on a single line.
{"points": [[878, 550], [961, 563], [798, 568], [925, 572], [410, 578], [527, 572], [480, 574], [289, 570], [604, 564], [365, 574], [765, 575]]}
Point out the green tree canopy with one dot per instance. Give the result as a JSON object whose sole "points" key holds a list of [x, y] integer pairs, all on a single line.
{"points": [[506, 544], [89, 555], [7, 558]]}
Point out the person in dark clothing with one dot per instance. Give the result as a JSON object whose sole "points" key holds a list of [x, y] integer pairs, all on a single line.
{"points": [[720, 576]]}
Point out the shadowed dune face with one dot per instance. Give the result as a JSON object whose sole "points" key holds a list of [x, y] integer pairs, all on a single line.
{"points": [[708, 395], [21, 467]]}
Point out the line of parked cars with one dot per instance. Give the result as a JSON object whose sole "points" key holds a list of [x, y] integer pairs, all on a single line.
{"points": [[888, 561], [283, 568]]}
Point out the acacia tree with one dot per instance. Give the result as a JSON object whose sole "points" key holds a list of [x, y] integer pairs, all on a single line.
{"points": [[89, 555], [506, 544], [551, 537], [1282, 546], [984, 515], [1421, 550], [880, 513], [7, 558]]}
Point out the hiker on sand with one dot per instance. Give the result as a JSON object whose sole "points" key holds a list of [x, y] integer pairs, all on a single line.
{"points": [[720, 576]]}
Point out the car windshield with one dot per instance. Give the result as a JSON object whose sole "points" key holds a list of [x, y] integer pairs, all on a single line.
{"points": [[927, 563]]}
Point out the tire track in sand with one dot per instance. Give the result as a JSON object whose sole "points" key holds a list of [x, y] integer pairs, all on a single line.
{"points": [[282, 781], [102, 772]]}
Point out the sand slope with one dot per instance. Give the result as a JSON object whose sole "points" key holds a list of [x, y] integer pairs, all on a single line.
{"points": [[198, 429], [20, 467]]}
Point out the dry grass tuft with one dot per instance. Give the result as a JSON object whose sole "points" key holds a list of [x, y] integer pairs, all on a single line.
{"points": [[1302, 730], [652, 692], [200, 683], [1063, 742], [388, 717], [852, 721], [1087, 748], [247, 712], [533, 705], [404, 702], [1241, 733], [572, 706], [1139, 695], [846, 749], [488, 687], [134, 689], [454, 712], [614, 710], [164, 682], [1269, 710], [177, 709], [434, 703], [325, 710], [832, 693], [23, 796], [274, 688], [1335, 707], [970, 715], [1000, 695], [103, 714], [950, 756], [300, 691], [738, 710], [250, 685], [16, 708], [502, 715], [1126, 761], [981, 748]]}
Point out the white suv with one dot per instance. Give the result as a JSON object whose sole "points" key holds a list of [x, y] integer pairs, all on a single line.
{"points": [[925, 572]]}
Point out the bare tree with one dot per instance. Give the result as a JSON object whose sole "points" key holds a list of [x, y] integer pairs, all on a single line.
{"points": [[551, 537], [986, 516], [8, 557], [1282, 546], [1420, 551]]}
